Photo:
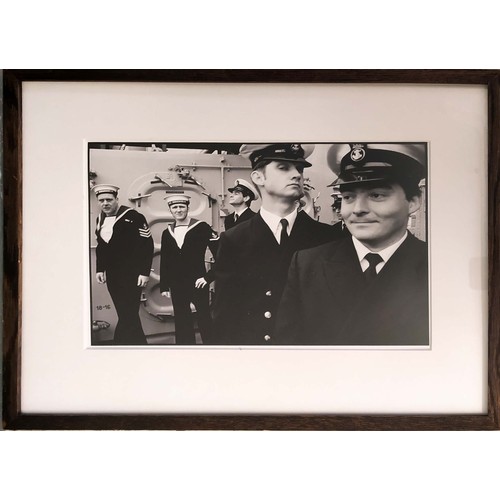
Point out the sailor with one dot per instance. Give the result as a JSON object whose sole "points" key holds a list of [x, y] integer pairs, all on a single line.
{"points": [[183, 274], [253, 257], [240, 198], [124, 254], [370, 288]]}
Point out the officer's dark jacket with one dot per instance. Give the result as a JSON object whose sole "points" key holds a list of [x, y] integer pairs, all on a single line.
{"points": [[229, 221], [184, 265], [328, 302], [250, 273], [130, 249]]}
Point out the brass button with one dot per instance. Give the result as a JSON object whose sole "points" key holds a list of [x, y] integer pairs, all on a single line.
{"points": [[267, 338], [268, 293], [267, 314]]}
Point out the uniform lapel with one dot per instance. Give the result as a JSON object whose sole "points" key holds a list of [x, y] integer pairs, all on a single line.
{"points": [[298, 230], [246, 214], [342, 271], [346, 283], [263, 233], [393, 292], [304, 232], [400, 268]]}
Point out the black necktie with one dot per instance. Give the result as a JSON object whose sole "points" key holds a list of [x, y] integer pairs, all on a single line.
{"points": [[373, 259], [235, 217], [284, 233]]}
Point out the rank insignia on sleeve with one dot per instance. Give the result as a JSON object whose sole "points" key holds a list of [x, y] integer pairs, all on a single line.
{"points": [[145, 233]]}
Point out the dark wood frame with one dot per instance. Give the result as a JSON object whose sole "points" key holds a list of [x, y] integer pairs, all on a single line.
{"points": [[12, 293]]}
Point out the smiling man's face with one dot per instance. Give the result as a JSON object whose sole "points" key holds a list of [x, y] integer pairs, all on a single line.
{"points": [[377, 215]]}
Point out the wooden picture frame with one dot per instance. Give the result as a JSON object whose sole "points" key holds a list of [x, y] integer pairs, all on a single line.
{"points": [[14, 418]]}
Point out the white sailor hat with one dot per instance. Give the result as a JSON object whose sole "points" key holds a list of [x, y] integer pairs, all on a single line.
{"points": [[105, 189], [245, 187], [258, 153], [174, 199]]}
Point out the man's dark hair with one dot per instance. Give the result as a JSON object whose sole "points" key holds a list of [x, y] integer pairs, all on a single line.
{"points": [[410, 186]]}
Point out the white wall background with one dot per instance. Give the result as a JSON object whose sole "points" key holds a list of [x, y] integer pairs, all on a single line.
{"points": [[60, 117]]}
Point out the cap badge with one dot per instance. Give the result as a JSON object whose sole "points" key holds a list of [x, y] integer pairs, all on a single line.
{"points": [[295, 147], [357, 153]]}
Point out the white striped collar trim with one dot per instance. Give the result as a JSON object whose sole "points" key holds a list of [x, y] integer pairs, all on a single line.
{"points": [[121, 215], [118, 217], [171, 227]]}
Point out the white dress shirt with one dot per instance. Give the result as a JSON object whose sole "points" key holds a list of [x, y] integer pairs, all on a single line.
{"points": [[273, 221], [385, 254]]}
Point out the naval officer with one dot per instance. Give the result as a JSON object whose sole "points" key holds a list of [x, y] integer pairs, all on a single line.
{"points": [[370, 288], [253, 257], [240, 198], [124, 254]]}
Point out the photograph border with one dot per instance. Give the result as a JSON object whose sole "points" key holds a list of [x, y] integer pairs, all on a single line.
{"points": [[13, 418]]}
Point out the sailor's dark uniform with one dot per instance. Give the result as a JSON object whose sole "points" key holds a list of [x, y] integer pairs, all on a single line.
{"points": [[179, 270], [127, 254], [327, 300], [250, 274]]}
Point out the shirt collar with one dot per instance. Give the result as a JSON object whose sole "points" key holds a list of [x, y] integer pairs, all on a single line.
{"points": [[273, 221], [122, 210], [386, 253], [190, 222], [239, 212]]}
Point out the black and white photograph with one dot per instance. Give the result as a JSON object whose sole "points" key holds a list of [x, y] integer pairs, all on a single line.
{"points": [[259, 244], [242, 255]]}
